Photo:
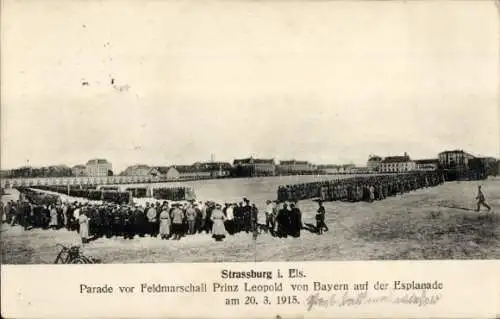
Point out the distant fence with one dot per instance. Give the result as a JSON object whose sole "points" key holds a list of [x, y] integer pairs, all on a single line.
{"points": [[113, 196], [87, 180], [174, 193]]}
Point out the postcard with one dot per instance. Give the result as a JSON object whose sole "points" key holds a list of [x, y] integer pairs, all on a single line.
{"points": [[250, 159]]}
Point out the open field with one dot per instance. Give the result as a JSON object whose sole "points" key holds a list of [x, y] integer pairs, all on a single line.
{"points": [[257, 189], [433, 223]]}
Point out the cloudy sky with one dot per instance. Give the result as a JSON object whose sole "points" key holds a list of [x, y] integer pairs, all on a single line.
{"points": [[163, 82]]}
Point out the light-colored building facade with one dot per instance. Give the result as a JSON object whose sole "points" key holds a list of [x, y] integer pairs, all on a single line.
{"points": [[340, 169], [79, 170], [427, 164], [292, 167], [179, 172], [373, 163], [163, 173], [257, 166], [216, 169], [360, 170], [329, 169], [347, 169], [191, 172], [99, 167], [397, 164], [137, 170], [454, 159]]}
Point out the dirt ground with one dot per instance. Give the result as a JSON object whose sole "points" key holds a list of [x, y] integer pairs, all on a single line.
{"points": [[433, 223]]}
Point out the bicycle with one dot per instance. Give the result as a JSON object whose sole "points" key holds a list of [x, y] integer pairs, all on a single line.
{"points": [[72, 255]]}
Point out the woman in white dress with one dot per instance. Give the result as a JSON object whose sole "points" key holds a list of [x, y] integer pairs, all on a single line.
{"points": [[83, 220], [53, 217], [218, 218], [165, 223]]}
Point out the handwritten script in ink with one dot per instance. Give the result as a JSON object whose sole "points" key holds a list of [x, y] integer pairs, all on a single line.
{"points": [[420, 299]]}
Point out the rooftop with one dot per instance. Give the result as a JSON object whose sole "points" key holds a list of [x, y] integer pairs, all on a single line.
{"points": [[396, 159], [252, 160], [427, 161], [455, 151], [290, 162], [328, 166], [97, 161], [212, 166], [161, 169], [374, 158], [138, 166], [185, 168]]}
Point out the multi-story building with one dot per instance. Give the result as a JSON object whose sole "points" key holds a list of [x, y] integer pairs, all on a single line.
{"points": [[79, 170], [431, 164], [373, 163], [482, 167], [256, 166], [454, 159], [99, 167], [216, 169], [5, 173], [294, 167], [397, 164], [347, 168], [329, 169], [137, 170], [192, 172], [163, 173], [360, 170]]}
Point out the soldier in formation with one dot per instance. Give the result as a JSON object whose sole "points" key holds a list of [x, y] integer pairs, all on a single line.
{"points": [[360, 188], [175, 220]]}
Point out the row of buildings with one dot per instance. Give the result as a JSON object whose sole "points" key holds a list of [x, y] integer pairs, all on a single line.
{"points": [[457, 160], [239, 168], [246, 167], [94, 167]]}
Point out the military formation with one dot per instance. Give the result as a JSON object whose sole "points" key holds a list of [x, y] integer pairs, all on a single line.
{"points": [[173, 220], [360, 188]]}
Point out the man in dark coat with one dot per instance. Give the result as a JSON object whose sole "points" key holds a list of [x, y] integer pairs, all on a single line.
{"points": [[320, 219], [140, 221], [117, 221], [238, 218], [128, 223], [254, 220], [283, 222], [208, 217], [295, 220], [107, 221], [247, 215]]}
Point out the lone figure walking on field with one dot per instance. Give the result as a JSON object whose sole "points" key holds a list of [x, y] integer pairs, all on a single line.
{"points": [[481, 200]]}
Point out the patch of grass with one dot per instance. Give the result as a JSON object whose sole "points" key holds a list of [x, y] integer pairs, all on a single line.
{"points": [[435, 235]]}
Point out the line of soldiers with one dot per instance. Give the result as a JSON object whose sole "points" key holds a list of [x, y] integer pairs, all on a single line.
{"points": [[360, 188]]}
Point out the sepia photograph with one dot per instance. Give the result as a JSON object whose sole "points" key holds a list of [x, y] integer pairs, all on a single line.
{"points": [[249, 131]]}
